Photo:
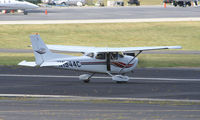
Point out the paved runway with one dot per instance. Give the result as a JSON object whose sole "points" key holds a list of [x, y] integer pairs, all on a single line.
{"points": [[167, 83], [89, 13], [146, 83]]}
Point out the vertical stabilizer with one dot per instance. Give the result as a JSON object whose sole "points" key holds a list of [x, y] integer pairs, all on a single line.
{"points": [[41, 52]]}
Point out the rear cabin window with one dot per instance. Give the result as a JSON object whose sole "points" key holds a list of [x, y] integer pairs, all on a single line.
{"points": [[100, 56]]}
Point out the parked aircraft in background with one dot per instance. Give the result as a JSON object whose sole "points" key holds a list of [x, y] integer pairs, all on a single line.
{"points": [[95, 59], [69, 2], [12, 5]]}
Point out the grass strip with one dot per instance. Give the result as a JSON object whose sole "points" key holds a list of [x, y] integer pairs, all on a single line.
{"points": [[12, 59], [168, 60], [145, 60], [162, 103], [110, 35], [151, 2], [151, 102]]}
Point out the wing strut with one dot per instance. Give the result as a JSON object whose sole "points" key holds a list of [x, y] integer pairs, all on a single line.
{"points": [[130, 61]]}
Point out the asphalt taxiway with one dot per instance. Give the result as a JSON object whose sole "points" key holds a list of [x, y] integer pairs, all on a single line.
{"points": [[46, 93], [97, 13], [144, 83]]}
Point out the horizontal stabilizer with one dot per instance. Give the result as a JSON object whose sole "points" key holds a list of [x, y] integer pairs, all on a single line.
{"points": [[30, 64], [48, 64]]}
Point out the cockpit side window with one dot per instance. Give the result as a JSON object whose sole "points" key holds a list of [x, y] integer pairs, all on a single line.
{"points": [[100, 56], [114, 56]]}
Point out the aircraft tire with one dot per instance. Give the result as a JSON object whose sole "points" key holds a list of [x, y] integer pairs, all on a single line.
{"points": [[86, 81], [25, 13], [121, 82]]}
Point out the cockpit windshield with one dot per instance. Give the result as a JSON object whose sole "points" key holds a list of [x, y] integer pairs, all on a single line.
{"points": [[121, 55], [116, 55]]}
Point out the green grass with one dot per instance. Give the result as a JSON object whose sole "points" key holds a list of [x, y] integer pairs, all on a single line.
{"points": [[169, 60], [14, 58], [17, 99], [156, 102], [111, 35], [162, 103], [145, 60], [151, 2]]}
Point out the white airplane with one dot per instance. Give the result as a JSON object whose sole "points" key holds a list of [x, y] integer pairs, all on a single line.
{"points": [[112, 61], [17, 5]]}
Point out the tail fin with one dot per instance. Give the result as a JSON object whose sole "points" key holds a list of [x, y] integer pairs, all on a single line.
{"points": [[41, 52], [43, 56]]}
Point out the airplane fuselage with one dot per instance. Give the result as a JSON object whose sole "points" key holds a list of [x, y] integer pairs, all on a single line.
{"points": [[85, 63]]}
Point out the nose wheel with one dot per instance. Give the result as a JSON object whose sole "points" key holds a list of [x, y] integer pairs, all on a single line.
{"points": [[25, 12], [121, 82], [119, 78]]}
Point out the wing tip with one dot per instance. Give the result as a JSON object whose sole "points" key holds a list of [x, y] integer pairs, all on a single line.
{"points": [[175, 47]]}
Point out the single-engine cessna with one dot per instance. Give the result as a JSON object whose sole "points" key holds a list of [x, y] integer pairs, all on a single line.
{"points": [[112, 61], [17, 5]]}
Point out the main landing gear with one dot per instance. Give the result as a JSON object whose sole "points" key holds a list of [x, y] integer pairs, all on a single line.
{"points": [[85, 77], [117, 78]]}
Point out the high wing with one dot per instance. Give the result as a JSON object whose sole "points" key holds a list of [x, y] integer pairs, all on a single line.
{"points": [[82, 49], [77, 49]]}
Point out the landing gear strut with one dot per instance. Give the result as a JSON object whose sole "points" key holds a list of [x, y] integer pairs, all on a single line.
{"points": [[85, 77]]}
